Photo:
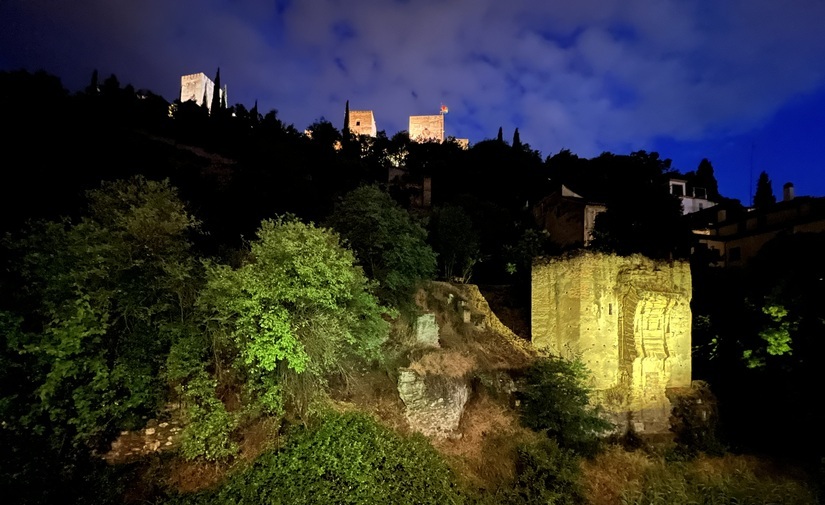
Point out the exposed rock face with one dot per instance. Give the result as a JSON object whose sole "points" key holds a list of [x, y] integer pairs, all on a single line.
{"points": [[426, 330], [628, 319], [434, 403]]}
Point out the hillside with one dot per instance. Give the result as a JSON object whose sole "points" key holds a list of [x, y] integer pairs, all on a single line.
{"points": [[453, 376]]}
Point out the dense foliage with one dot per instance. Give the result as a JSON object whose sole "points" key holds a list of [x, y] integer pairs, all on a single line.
{"points": [[108, 296], [389, 245], [86, 336], [555, 399], [296, 311], [347, 458]]}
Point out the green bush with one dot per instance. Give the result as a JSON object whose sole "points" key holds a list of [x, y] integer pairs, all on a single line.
{"points": [[546, 474], [683, 484], [298, 311], [694, 422], [348, 458], [555, 399], [209, 425]]}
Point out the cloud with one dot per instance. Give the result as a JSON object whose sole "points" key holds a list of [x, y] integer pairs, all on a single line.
{"points": [[589, 75]]}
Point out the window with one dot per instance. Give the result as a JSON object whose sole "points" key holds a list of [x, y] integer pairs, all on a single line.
{"points": [[735, 254], [358, 123], [677, 188]]}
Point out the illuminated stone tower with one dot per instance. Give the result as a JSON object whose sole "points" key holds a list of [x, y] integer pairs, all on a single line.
{"points": [[198, 87], [427, 128], [362, 122]]}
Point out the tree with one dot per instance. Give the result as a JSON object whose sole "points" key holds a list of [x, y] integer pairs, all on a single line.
{"points": [[345, 129], [764, 192], [389, 245], [555, 399], [109, 291], [456, 242], [215, 109], [297, 311], [93, 88], [706, 179], [500, 136], [642, 216], [516, 140]]}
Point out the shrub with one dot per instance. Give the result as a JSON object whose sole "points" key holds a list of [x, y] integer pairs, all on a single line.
{"points": [[720, 480], [298, 311], [546, 474], [555, 399], [348, 458]]}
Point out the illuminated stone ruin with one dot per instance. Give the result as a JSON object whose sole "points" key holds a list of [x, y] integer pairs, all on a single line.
{"points": [[628, 319]]}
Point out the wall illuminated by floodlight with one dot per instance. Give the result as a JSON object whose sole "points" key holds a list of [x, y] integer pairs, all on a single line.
{"points": [[628, 319]]}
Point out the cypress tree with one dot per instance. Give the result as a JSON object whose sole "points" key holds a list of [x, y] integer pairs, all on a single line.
{"points": [[706, 178], [500, 137], [216, 93], [764, 191], [94, 87], [516, 140], [345, 131]]}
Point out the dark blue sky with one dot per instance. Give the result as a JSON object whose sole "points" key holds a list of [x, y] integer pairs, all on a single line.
{"points": [[740, 82]]}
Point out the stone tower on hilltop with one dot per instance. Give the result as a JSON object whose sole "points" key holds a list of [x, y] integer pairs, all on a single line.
{"points": [[427, 128], [200, 88], [360, 122]]}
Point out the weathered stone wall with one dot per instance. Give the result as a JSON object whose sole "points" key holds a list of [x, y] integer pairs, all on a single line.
{"points": [[427, 128], [196, 86], [628, 319], [362, 122]]}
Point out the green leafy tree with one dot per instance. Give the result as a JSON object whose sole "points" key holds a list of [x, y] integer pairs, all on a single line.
{"points": [[389, 245], [108, 293], [297, 311]]}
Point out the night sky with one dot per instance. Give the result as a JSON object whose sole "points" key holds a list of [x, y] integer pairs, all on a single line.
{"points": [[741, 82]]}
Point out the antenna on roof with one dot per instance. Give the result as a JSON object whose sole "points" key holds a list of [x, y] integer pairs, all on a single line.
{"points": [[750, 184]]}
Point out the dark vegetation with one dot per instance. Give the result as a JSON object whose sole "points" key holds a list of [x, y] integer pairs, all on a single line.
{"points": [[233, 266]]}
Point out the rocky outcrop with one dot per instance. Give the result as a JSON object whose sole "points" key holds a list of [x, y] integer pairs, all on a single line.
{"points": [[434, 403]]}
